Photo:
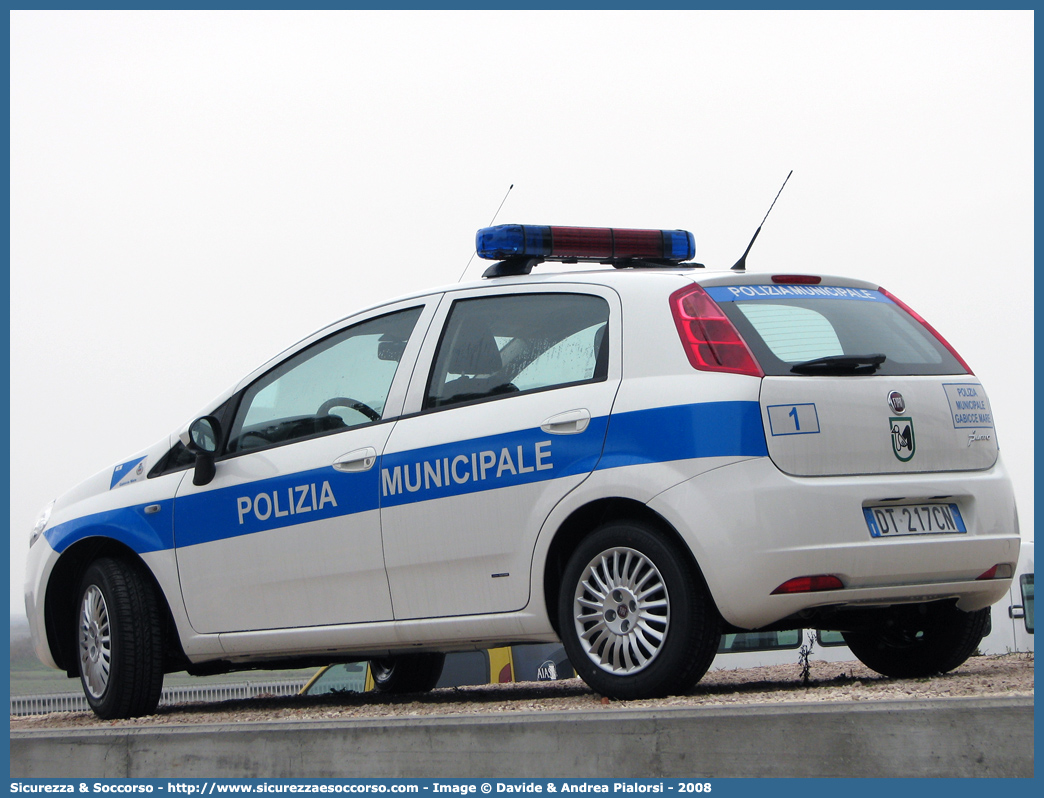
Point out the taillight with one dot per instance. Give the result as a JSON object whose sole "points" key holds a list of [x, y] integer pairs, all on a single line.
{"points": [[711, 341], [809, 584], [928, 327], [1002, 570]]}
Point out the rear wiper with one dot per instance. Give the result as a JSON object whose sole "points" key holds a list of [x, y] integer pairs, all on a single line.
{"points": [[840, 364]]}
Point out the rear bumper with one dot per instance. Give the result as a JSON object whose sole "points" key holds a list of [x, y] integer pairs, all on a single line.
{"points": [[752, 528]]}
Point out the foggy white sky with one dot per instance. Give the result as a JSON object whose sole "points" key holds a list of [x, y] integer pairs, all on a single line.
{"points": [[192, 192]]}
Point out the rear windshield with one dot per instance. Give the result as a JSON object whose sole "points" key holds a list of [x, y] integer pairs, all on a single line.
{"points": [[790, 325]]}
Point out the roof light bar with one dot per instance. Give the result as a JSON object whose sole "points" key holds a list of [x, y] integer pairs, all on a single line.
{"points": [[583, 243]]}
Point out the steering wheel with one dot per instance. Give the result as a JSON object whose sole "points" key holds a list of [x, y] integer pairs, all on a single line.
{"points": [[354, 404]]}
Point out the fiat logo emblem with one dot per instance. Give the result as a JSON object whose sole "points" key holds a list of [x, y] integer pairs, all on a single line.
{"points": [[896, 402]]}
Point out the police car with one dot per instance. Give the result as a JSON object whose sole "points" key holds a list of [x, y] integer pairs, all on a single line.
{"points": [[634, 460]]}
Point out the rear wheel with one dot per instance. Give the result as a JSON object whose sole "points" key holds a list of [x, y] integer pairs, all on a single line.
{"points": [[634, 615], [409, 673], [920, 641], [119, 637]]}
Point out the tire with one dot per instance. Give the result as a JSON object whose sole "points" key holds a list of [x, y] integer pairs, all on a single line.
{"points": [[409, 673], [634, 615], [920, 641], [119, 640]]}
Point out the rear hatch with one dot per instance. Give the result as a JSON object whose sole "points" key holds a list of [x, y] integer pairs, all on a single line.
{"points": [[833, 406]]}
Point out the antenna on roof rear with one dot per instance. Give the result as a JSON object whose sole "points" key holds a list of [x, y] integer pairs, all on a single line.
{"points": [[495, 215], [741, 264]]}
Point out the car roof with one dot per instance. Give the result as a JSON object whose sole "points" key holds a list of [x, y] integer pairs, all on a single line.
{"points": [[633, 278]]}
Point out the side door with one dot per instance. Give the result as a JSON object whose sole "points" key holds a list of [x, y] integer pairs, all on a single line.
{"points": [[510, 417], [287, 534]]}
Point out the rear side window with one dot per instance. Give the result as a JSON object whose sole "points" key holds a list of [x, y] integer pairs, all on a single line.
{"points": [[785, 330], [499, 346]]}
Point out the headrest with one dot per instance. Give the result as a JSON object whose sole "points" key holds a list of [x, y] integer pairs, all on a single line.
{"points": [[475, 352]]}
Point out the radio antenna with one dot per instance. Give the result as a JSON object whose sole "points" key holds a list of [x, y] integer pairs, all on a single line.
{"points": [[488, 225], [741, 264]]}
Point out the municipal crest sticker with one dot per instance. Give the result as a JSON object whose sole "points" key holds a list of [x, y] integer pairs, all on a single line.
{"points": [[903, 443]]}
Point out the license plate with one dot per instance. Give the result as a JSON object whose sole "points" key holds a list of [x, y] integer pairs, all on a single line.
{"points": [[893, 520]]}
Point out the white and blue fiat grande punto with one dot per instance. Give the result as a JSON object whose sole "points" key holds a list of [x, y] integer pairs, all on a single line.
{"points": [[633, 460]]}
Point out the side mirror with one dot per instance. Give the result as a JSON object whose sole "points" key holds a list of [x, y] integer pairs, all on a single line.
{"points": [[204, 435]]}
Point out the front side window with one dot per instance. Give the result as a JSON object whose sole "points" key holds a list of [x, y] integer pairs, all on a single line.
{"points": [[497, 346], [339, 383]]}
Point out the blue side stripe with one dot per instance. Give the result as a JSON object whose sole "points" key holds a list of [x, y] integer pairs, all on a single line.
{"points": [[681, 432], [129, 525], [288, 500], [496, 461]]}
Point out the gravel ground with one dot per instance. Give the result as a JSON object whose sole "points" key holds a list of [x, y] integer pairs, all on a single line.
{"points": [[1007, 675]]}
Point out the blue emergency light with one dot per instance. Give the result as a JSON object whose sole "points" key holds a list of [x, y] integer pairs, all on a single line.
{"points": [[602, 244]]}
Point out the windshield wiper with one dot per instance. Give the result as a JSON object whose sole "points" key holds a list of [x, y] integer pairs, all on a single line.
{"points": [[840, 364]]}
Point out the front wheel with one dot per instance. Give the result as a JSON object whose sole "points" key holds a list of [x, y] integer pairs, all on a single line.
{"points": [[920, 641], [119, 640], [408, 673], [634, 615]]}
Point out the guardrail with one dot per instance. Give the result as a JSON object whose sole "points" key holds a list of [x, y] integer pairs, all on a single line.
{"points": [[77, 702]]}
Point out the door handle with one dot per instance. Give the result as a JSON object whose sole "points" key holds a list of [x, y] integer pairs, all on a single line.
{"points": [[570, 422], [354, 462]]}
